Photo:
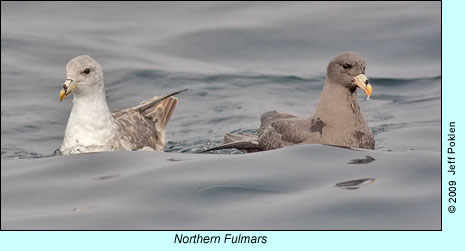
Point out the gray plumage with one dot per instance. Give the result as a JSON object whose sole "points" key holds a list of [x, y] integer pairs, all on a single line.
{"points": [[145, 125], [336, 121], [92, 128]]}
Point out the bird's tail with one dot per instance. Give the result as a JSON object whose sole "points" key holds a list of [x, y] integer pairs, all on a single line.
{"points": [[161, 112], [246, 142], [159, 109]]}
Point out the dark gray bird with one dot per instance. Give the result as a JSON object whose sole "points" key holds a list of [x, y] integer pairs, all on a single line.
{"points": [[336, 121], [93, 128]]}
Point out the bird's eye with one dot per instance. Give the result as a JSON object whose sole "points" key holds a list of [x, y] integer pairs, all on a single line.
{"points": [[86, 71], [346, 66]]}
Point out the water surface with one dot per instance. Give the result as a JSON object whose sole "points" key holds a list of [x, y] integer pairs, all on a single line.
{"points": [[238, 60]]}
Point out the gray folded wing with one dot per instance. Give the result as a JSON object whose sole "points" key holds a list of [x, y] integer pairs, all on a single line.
{"points": [[144, 125]]}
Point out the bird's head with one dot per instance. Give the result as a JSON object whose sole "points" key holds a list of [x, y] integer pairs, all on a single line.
{"points": [[348, 69], [83, 74]]}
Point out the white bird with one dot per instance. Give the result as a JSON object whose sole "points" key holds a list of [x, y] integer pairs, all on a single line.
{"points": [[93, 128]]}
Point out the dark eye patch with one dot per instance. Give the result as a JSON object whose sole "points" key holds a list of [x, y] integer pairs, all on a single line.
{"points": [[346, 66], [86, 71]]}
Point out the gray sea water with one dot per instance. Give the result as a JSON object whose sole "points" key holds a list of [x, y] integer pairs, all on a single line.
{"points": [[238, 60]]}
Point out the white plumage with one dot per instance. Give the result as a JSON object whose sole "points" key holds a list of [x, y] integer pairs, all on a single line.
{"points": [[92, 127]]}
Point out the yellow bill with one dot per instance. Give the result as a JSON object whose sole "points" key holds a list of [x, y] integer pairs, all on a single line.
{"points": [[362, 81], [68, 87], [62, 94]]}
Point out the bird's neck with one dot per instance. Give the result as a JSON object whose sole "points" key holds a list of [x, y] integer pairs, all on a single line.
{"points": [[340, 102], [91, 108], [90, 121]]}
